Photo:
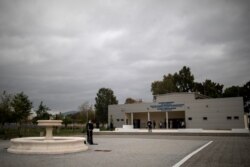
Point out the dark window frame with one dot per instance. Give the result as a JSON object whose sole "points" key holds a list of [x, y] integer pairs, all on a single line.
{"points": [[236, 117]]}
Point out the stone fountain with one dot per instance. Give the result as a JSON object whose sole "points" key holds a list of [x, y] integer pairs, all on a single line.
{"points": [[47, 144]]}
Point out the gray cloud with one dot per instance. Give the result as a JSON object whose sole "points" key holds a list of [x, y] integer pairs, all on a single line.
{"points": [[62, 52]]}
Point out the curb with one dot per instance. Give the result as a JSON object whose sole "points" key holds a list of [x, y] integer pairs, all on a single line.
{"points": [[174, 134]]}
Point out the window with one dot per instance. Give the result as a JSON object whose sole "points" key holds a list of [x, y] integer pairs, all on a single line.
{"points": [[188, 107], [229, 118], [189, 118], [236, 117], [204, 118], [117, 120], [207, 106], [122, 119]]}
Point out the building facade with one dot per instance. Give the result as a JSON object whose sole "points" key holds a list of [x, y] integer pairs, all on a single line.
{"points": [[181, 110]]}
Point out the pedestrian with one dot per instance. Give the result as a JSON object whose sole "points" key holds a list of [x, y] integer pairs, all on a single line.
{"points": [[182, 124], [160, 125], [149, 124], [111, 126], [90, 128], [154, 124]]}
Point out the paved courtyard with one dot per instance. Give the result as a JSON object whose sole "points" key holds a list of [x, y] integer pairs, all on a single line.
{"points": [[141, 150], [110, 152]]}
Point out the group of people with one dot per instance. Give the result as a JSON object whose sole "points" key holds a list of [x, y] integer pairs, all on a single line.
{"points": [[151, 125], [172, 124], [90, 128]]}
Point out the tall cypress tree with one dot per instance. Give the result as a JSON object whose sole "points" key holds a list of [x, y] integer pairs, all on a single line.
{"points": [[104, 97]]}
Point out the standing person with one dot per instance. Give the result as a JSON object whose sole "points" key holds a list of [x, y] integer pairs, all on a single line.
{"points": [[90, 128], [149, 124], [111, 126], [160, 125], [154, 124]]}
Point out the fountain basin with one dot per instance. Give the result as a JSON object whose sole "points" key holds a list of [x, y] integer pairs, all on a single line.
{"points": [[39, 145], [47, 123]]}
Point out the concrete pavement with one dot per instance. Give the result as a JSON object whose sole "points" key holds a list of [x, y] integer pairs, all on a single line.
{"points": [[110, 152], [142, 150]]}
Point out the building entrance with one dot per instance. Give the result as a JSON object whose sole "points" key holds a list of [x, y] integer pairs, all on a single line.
{"points": [[176, 119], [176, 123], [137, 123]]}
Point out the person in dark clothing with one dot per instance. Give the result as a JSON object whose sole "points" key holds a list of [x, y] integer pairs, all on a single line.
{"points": [[90, 128], [154, 124], [149, 124], [111, 126]]}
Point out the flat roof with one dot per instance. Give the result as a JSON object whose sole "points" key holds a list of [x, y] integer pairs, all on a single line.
{"points": [[196, 94]]}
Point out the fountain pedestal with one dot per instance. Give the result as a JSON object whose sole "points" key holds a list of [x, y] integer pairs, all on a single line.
{"points": [[48, 144], [48, 124]]}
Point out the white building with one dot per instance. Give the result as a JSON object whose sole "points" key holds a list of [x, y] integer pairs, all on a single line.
{"points": [[181, 110]]}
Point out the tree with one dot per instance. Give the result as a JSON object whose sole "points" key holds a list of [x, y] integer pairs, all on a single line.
{"points": [[209, 88], [232, 91], [104, 97], [243, 91], [130, 100], [67, 120], [246, 92], [170, 84], [86, 112], [212, 89], [157, 88], [22, 109], [59, 116], [246, 96], [5, 108], [184, 80], [179, 82], [42, 113], [198, 87]]}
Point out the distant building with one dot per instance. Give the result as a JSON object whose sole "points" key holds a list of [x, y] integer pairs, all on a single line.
{"points": [[181, 110]]}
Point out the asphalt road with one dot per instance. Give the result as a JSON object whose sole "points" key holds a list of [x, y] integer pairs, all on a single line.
{"points": [[224, 151]]}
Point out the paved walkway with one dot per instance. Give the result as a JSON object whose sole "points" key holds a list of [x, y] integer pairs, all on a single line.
{"points": [[142, 150], [110, 152]]}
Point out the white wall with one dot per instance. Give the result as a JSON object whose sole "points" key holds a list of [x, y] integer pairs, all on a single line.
{"points": [[176, 97], [216, 110]]}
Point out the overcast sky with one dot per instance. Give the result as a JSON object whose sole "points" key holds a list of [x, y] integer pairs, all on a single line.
{"points": [[62, 52]]}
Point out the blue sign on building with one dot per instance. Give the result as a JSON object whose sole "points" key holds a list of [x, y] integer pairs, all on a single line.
{"points": [[166, 106]]}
